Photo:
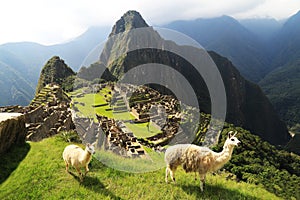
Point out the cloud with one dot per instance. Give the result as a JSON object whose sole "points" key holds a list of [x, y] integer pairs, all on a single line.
{"points": [[53, 21], [278, 9]]}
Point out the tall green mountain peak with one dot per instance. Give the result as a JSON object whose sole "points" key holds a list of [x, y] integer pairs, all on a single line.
{"points": [[54, 71]]}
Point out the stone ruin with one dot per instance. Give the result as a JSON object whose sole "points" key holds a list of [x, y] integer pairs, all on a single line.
{"points": [[120, 139], [109, 135], [45, 121], [47, 114], [148, 105]]}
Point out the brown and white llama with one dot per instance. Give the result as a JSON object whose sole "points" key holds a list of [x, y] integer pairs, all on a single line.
{"points": [[199, 159]]}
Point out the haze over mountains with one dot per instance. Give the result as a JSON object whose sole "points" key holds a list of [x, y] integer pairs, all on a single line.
{"points": [[265, 56], [21, 63], [264, 51]]}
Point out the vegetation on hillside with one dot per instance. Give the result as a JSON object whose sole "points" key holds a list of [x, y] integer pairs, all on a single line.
{"points": [[55, 71], [256, 161], [282, 86]]}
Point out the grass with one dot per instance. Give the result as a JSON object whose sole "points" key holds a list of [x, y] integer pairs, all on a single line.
{"points": [[140, 130], [152, 161], [40, 174]]}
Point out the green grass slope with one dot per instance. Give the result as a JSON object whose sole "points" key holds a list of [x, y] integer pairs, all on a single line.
{"points": [[41, 175]]}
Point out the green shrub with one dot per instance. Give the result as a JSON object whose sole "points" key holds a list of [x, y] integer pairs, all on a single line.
{"points": [[70, 136]]}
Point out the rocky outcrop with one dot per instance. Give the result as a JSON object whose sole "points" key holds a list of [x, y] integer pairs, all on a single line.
{"points": [[12, 130], [130, 20]]}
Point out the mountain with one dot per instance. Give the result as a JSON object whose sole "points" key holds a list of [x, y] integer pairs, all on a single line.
{"points": [[264, 28], [247, 105], [75, 51], [229, 38], [285, 45], [283, 83], [263, 50], [14, 88], [21, 63], [282, 86], [132, 19], [54, 71]]}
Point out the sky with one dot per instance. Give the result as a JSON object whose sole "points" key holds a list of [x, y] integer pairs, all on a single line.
{"points": [[55, 21]]}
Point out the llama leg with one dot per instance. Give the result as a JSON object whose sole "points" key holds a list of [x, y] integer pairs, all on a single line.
{"points": [[202, 181], [79, 172], [172, 172], [86, 169], [167, 173], [67, 166]]}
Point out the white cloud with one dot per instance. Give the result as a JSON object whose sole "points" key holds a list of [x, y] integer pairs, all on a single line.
{"points": [[278, 9], [53, 21]]}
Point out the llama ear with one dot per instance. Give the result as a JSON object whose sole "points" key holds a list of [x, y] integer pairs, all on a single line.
{"points": [[234, 134], [230, 134], [88, 144]]}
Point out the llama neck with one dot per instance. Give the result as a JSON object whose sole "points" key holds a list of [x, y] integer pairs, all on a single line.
{"points": [[86, 157], [223, 157]]}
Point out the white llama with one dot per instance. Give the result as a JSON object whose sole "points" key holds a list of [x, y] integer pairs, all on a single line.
{"points": [[194, 158]]}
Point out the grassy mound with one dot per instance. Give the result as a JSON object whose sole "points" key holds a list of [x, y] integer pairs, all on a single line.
{"points": [[40, 174]]}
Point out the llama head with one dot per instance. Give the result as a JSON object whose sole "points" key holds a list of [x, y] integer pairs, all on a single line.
{"points": [[90, 148], [232, 140]]}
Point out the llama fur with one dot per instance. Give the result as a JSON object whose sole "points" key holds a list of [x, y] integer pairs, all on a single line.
{"points": [[77, 157], [199, 159]]}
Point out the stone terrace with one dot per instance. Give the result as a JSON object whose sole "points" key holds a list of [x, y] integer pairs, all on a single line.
{"points": [[47, 114], [120, 139]]}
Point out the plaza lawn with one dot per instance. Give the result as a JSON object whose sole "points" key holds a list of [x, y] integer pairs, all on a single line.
{"points": [[91, 104]]}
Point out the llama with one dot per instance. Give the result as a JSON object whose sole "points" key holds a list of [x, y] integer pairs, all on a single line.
{"points": [[194, 158], [77, 157]]}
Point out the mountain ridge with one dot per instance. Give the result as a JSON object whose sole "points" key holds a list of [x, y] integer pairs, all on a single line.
{"points": [[226, 36]]}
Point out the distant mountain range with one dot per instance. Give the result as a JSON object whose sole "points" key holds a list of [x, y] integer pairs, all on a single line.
{"points": [[21, 63], [265, 51], [282, 85], [231, 39], [261, 49]]}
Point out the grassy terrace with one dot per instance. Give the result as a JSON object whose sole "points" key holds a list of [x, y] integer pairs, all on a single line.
{"points": [[87, 102], [37, 171]]}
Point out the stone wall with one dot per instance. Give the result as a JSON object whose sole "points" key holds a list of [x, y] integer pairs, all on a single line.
{"points": [[12, 131], [36, 115], [46, 121]]}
